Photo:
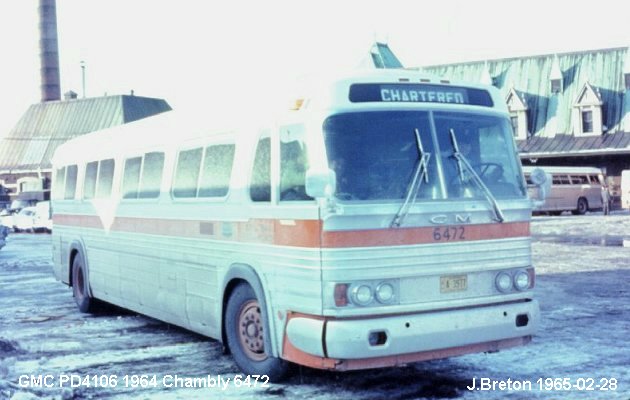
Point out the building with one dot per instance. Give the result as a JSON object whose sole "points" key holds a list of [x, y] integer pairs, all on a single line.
{"points": [[570, 109], [25, 153]]}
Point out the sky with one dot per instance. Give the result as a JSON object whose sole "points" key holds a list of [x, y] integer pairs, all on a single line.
{"points": [[217, 57]]}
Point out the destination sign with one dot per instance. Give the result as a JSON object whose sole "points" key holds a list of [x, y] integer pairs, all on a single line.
{"points": [[418, 93]]}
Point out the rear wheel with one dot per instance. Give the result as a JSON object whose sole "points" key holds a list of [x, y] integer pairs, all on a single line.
{"points": [[246, 331], [582, 206], [80, 287]]}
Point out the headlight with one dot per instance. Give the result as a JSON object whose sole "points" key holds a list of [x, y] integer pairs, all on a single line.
{"points": [[521, 280], [503, 282], [385, 293], [362, 295]]}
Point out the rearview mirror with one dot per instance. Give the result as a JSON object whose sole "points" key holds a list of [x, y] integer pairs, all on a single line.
{"points": [[320, 183]]}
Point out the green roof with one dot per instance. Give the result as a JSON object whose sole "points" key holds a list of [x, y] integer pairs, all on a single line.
{"points": [[383, 57], [32, 142], [548, 113]]}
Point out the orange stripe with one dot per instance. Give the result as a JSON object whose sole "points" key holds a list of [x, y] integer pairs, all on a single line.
{"points": [[431, 234], [299, 233]]}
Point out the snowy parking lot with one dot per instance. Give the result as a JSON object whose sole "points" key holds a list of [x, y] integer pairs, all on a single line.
{"points": [[581, 351]]}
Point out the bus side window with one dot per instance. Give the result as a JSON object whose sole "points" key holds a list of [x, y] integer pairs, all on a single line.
{"points": [[579, 179], [561, 180], [131, 177], [260, 187], [59, 183], [105, 179], [216, 171], [187, 173], [71, 182], [89, 184], [151, 175], [293, 166]]}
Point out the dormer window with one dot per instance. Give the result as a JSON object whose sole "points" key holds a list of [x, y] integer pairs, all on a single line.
{"points": [[518, 114], [587, 112], [587, 121], [556, 86], [514, 121], [555, 76]]}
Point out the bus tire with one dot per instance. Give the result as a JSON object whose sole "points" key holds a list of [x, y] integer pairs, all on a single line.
{"points": [[80, 287], [582, 206], [245, 330]]}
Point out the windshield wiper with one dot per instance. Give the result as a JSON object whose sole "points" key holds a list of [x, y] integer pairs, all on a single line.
{"points": [[421, 173], [462, 163]]}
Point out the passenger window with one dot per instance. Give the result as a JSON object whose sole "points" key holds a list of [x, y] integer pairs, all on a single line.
{"points": [[105, 179], [89, 184], [216, 172], [561, 180], [260, 188], [187, 173], [151, 175], [579, 179], [59, 184], [71, 182], [131, 178], [293, 165]]}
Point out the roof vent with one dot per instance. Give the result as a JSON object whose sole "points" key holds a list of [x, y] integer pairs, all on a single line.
{"points": [[70, 95]]}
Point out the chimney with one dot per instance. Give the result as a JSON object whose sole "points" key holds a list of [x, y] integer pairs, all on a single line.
{"points": [[49, 51]]}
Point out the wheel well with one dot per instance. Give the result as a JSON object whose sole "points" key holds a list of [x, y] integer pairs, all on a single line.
{"points": [[229, 288], [585, 200], [73, 255]]}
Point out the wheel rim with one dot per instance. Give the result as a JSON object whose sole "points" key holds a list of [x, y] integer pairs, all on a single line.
{"points": [[250, 331]]}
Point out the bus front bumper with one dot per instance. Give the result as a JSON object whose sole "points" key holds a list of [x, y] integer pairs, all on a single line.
{"points": [[370, 342]]}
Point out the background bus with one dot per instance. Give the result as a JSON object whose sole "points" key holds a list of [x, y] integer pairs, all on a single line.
{"points": [[575, 189]]}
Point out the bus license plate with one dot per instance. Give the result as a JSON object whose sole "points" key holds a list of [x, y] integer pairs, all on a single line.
{"points": [[453, 283]]}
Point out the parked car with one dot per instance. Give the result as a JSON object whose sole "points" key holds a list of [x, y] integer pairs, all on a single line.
{"points": [[24, 220], [6, 217], [43, 217]]}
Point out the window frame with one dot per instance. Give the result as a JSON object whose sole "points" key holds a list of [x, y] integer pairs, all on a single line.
{"points": [[273, 187], [203, 146], [139, 186]]}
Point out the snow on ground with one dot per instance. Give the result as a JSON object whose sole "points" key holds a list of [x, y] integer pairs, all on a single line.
{"points": [[583, 271]]}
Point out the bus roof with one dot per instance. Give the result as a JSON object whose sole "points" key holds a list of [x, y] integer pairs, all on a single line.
{"points": [[372, 89]]}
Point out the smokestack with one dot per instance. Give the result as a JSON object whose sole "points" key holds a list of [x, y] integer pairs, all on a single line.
{"points": [[49, 50]]}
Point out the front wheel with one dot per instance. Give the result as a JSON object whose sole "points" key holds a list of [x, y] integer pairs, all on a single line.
{"points": [[246, 331], [80, 287]]}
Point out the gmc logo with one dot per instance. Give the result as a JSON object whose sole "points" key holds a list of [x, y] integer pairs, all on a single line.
{"points": [[443, 219]]}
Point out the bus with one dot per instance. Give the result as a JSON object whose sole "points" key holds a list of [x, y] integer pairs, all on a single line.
{"points": [[381, 221], [574, 189]]}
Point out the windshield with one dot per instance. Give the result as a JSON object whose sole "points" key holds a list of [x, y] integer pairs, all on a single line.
{"points": [[376, 155]]}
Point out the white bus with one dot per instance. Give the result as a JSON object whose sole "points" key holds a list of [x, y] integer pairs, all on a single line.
{"points": [[575, 189], [383, 222]]}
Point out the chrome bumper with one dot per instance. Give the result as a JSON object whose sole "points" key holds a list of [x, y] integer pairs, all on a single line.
{"points": [[403, 334]]}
